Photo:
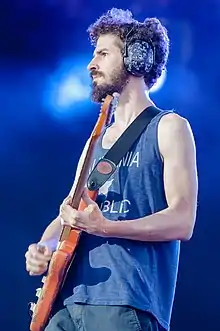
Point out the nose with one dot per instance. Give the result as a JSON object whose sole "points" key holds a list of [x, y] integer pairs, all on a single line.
{"points": [[92, 66]]}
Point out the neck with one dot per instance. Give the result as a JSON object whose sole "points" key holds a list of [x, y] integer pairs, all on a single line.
{"points": [[132, 102]]}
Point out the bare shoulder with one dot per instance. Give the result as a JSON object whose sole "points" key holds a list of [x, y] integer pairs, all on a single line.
{"points": [[173, 122], [174, 130]]}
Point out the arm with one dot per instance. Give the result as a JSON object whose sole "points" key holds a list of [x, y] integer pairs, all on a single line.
{"points": [[52, 232], [177, 150]]}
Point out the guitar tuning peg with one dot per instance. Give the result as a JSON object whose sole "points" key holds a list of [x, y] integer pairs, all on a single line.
{"points": [[43, 279], [32, 306], [38, 292]]}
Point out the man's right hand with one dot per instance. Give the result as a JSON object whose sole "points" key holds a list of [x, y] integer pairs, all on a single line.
{"points": [[37, 259]]}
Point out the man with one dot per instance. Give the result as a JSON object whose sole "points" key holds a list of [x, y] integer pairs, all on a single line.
{"points": [[124, 273]]}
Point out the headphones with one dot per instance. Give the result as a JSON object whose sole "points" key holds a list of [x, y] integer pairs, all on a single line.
{"points": [[139, 56]]}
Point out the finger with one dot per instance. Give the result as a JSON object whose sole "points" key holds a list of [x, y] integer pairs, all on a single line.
{"points": [[77, 228], [44, 249], [67, 218], [32, 263], [31, 273], [34, 271], [73, 219], [71, 212], [33, 253], [67, 209], [32, 247], [64, 223], [67, 201], [88, 201]]}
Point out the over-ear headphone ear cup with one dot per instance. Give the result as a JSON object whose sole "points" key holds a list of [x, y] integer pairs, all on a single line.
{"points": [[138, 58]]}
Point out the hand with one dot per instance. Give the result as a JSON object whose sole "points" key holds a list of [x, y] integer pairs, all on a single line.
{"points": [[91, 220], [37, 259]]}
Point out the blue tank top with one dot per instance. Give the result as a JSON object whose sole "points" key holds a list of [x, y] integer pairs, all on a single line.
{"points": [[109, 271]]}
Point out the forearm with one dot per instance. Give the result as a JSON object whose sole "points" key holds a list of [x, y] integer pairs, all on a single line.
{"points": [[52, 233], [165, 225]]}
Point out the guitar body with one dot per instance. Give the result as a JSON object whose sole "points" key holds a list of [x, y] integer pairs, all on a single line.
{"points": [[52, 285], [57, 272], [64, 254]]}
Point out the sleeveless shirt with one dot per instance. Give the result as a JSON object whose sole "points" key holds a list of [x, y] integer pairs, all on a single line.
{"points": [[112, 271]]}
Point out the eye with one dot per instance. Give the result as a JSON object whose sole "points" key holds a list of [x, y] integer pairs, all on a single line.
{"points": [[104, 53]]}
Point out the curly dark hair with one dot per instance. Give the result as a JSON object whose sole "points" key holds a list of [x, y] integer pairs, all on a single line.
{"points": [[119, 22]]}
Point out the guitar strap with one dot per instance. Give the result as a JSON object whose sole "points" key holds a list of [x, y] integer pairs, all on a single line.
{"points": [[107, 165]]}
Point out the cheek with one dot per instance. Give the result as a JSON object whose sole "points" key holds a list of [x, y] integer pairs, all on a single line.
{"points": [[113, 68], [110, 67], [112, 63]]}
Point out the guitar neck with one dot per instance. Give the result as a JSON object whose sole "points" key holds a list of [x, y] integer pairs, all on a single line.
{"points": [[104, 120], [76, 199]]}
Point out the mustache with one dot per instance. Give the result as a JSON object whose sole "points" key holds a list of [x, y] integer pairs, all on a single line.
{"points": [[96, 73]]}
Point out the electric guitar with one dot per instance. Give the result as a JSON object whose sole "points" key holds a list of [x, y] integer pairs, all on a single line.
{"points": [[64, 254]]}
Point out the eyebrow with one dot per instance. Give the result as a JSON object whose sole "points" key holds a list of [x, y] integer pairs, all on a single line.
{"points": [[100, 51]]}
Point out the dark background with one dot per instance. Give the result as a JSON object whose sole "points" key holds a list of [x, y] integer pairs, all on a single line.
{"points": [[46, 117]]}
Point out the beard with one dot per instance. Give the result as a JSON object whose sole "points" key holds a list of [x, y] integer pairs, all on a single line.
{"points": [[118, 80]]}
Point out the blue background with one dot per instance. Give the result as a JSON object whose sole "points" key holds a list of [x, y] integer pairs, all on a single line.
{"points": [[46, 117]]}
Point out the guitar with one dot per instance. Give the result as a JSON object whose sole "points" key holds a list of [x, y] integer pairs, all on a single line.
{"points": [[64, 254]]}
